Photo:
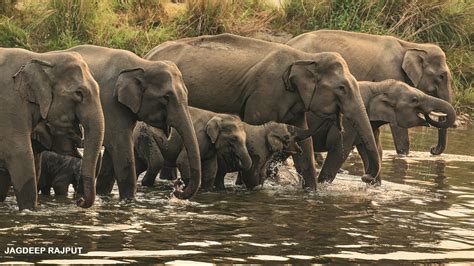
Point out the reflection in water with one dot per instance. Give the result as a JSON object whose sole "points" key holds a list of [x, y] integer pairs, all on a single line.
{"points": [[423, 211]]}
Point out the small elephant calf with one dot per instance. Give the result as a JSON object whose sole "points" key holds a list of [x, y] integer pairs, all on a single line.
{"points": [[58, 172], [264, 142], [219, 136]]}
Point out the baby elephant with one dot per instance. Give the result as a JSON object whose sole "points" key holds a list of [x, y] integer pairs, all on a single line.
{"points": [[264, 142], [58, 172], [219, 136], [58, 160]]}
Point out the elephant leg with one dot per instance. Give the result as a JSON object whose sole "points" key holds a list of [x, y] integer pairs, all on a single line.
{"points": [[340, 148], [169, 171], [123, 161], [155, 162], [378, 142], [105, 179], [238, 180], [61, 183], [140, 165], [209, 171], [220, 177], [304, 162], [401, 140], [5, 185], [151, 173], [21, 167]]}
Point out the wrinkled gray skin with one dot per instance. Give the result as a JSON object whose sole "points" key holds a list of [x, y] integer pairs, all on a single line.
{"points": [[263, 81], [388, 101], [58, 160], [44, 140], [134, 89], [58, 172], [263, 143], [377, 58], [219, 135], [58, 89]]}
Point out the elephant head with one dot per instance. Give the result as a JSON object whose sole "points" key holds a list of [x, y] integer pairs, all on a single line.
{"points": [[327, 88], [284, 138], [398, 103], [279, 139], [157, 95], [66, 94], [228, 135], [426, 69]]}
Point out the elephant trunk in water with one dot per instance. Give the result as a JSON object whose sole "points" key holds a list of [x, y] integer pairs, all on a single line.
{"points": [[92, 119], [447, 95], [356, 114], [181, 121]]}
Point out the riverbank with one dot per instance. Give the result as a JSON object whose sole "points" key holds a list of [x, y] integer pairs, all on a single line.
{"points": [[139, 25]]}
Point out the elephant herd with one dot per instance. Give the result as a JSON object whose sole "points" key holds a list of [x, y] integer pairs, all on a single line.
{"points": [[210, 105]]}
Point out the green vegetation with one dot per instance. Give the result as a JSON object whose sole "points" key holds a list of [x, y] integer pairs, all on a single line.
{"points": [[139, 25]]}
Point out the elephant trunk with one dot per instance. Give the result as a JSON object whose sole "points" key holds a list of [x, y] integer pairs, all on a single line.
{"points": [[245, 162], [92, 119], [357, 115], [443, 111], [447, 95], [181, 121]]}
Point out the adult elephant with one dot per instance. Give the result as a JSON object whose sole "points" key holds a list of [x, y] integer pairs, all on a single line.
{"points": [[377, 58], [263, 81], [59, 90], [388, 101], [134, 89]]}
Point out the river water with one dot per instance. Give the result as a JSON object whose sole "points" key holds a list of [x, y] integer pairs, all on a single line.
{"points": [[423, 212]]}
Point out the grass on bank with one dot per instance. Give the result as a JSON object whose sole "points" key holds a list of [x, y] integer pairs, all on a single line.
{"points": [[139, 25]]}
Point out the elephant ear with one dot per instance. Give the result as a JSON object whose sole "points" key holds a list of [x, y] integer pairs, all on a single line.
{"points": [[413, 65], [37, 82], [42, 135], [129, 88], [300, 76], [382, 108], [274, 142], [213, 128]]}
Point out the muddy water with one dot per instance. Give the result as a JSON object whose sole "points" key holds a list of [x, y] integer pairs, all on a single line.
{"points": [[423, 212]]}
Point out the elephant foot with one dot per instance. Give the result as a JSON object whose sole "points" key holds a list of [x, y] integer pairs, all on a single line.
{"points": [[325, 178], [436, 150], [26, 198], [168, 173], [403, 152], [370, 180], [148, 182]]}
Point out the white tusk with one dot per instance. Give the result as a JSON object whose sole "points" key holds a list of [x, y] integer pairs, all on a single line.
{"points": [[437, 114], [421, 116]]}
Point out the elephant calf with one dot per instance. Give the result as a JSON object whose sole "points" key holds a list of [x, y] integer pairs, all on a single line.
{"points": [[58, 172], [219, 136], [388, 101], [264, 142]]}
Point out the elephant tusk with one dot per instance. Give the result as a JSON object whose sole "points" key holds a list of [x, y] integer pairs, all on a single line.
{"points": [[433, 113], [421, 116]]}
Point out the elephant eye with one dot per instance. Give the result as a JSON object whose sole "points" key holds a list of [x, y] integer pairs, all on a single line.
{"points": [[78, 96], [414, 99], [441, 77], [342, 88]]}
